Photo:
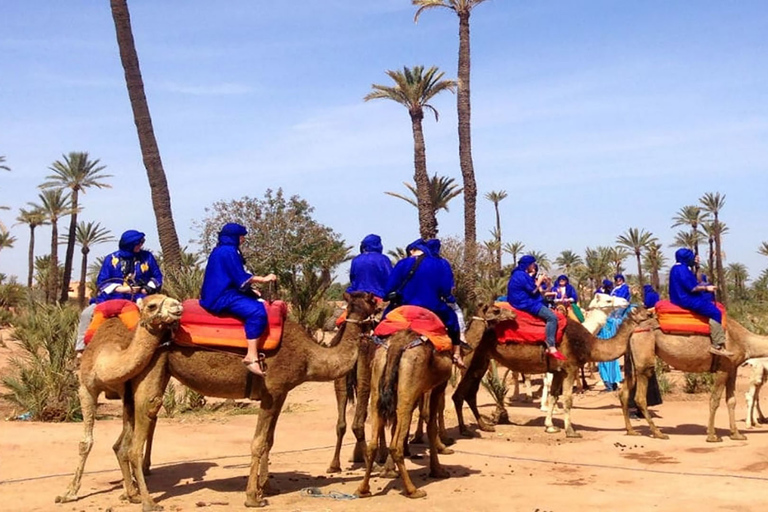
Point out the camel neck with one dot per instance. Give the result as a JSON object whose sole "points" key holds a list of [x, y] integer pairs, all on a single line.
{"points": [[330, 363], [614, 347]]}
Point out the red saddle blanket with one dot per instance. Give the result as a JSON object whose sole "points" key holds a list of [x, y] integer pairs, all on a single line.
{"points": [[676, 320], [526, 328], [419, 320], [125, 310], [199, 327]]}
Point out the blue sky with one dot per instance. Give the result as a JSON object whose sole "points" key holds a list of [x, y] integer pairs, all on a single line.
{"points": [[594, 116]]}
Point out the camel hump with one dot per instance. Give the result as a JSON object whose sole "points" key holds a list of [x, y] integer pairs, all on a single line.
{"points": [[125, 310], [676, 320], [419, 320]]}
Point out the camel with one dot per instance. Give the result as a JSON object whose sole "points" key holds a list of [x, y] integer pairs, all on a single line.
{"points": [[578, 345], [402, 373], [689, 354], [113, 358], [757, 377], [221, 374]]}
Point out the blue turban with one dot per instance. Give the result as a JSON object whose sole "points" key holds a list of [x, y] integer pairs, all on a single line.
{"points": [[607, 282], [525, 261], [230, 234], [434, 246], [128, 242], [685, 256], [619, 276], [371, 243]]}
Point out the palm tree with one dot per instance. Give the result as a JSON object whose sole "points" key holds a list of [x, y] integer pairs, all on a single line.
{"points": [[413, 89], [514, 248], [33, 217], [713, 202], [2, 164], [55, 204], [654, 260], [636, 240], [763, 249], [463, 8], [737, 274], [76, 173], [496, 197], [6, 239], [542, 260], [693, 216], [88, 235], [161, 197], [597, 263], [568, 260], [617, 255], [441, 191]]}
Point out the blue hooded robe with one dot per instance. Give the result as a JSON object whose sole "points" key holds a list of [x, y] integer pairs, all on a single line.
{"points": [[125, 267], [569, 292], [522, 292], [622, 290], [370, 269], [650, 296], [225, 283], [682, 281]]}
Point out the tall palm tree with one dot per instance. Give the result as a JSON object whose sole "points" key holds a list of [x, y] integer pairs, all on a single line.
{"points": [[76, 173], [737, 274], [6, 239], [496, 197], [693, 216], [597, 262], [161, 197], [542, 260], [763, 249], [33, 217], [688, 239], [88, 235], [3, 167], [636, 240], [56, 204], [654, 260], [713, 202], [617, 255], [413, 89], [441, 191], [568, 260], [463, 9], [514, 248]]}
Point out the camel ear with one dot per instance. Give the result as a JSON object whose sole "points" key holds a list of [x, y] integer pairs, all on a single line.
{"points": [[140, 303], [346, 297]]}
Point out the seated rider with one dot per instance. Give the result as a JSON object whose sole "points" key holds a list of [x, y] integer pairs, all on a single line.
{"points": [[524, 293], [621, 288], [370, 269], [564, 292], [129, 273], [227, 289], [434, 247], [606, 287], [428, 287], [685, 291], [650, 297]]}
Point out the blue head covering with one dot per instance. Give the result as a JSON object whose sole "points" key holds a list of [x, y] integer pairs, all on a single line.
{"points": [[607, 282], [434, 246], [704, 278], [525, 261], [619, 276], [128, 242], [420, 245], [371, 243], [650, 296], [230, 234], [562, 276], [685, 256]]}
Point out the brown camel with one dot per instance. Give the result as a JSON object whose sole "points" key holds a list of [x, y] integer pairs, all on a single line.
{"points": [[298, 359], [689, 354], [579, 347], [112, 358], [402, 373]]}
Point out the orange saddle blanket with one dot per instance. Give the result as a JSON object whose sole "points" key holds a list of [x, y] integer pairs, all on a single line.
{"points": [[199, 327], [125, 310], [419, 320], [676, 320], [526, 328]]}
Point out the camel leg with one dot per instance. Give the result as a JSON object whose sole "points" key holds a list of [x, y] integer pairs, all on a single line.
{"points": [[435, 408], [714, 402], [88, 401], [377, 433], [361, 408], [466, 391], [254, 491], [730, 400], [340, 389], [388, 470], [405, 406], [516, 385], [546, 385], [760, 417], [122, 450], [145, 416], [567, 390], [554, 394], [641, 400], [423, 403], [147, 464], [442, 432], [268, 488], [435, 469], [629, 383], [750, 397]]}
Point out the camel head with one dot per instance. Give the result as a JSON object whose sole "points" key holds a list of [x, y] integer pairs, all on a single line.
{"points": [[360, 305], [607, 302], [159, 312], [639, 314], [493, 314]]}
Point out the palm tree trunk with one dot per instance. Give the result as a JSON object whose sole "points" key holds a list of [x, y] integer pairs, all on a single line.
{"points": [[427, 217], [639, 270], [498, 237], [70, 255], [83, 272], [31, 256], [720, 272], [53, 270], [465, 158], [161, 199]]}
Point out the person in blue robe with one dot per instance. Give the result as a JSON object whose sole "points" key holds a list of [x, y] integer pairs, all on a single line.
{"points": [[564, 291], [130, 273], [605, 287], [710, 296], [430, 287], [524, 293], [434, 247], [621, 288], [227, 290], [685, 291], [650, 296], [370, 269]]}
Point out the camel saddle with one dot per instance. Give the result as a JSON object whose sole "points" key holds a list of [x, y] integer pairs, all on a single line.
{"points": [[199, 327], [526, 328], [419, 320], [676, 320], [125, 310]]}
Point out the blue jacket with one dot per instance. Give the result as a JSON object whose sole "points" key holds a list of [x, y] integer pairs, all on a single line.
{"points": [[125, 267], [370, 269], [522, 292], [622, 291], [225, 276], [434, 247], [682, 281], [650, 296], [568, 293]]}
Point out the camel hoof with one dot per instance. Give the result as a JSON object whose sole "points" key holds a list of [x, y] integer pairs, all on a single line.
{"points": [[333, 469], [485, 427], [633, 432], [67, 498], [444, 450], [255, 503], [146, 471], [659, 435], [448, 441], [363, 493], [738, 437], [552, 430], [417, 440], [418, 493], [439, 473], [573, 435], [151, 507], [714, 439], [465, 432]]}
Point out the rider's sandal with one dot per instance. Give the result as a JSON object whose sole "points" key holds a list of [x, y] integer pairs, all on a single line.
{"points": [[258, 366]]}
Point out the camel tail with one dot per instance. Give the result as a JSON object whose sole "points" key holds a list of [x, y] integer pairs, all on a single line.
{"points": [[351, 383], [388, 384]]}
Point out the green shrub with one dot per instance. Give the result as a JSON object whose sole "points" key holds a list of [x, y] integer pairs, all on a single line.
{"points": [[42, 379], [661, 369], [698, 382], [170, 404], [498, 388], [183, 284]]}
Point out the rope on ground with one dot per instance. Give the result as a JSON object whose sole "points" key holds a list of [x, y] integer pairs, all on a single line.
{"points": [[315, 492]]}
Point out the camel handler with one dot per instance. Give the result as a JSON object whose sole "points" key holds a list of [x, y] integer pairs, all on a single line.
{"points": [[685, 291], [434, 247], [370, 269], [129, 273], [228, 289], [421, 279]]}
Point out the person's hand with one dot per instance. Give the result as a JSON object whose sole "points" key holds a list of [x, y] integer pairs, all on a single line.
{"points": [[270, 277], [457, 359], [123, 288], [711, 288]]}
